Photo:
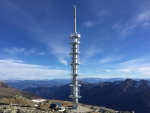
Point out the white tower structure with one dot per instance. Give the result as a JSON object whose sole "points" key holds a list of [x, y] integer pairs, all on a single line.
{"points": [[75, 93]]}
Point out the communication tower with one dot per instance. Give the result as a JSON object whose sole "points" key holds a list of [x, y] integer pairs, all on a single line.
{"points": [[75, 93]]}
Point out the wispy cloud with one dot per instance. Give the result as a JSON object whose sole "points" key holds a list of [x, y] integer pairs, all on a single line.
{"points": [[132, 61], [110, 59], [89, 24], [145, 69], [139, 66], [140, 19], [99, 14], [62, 61], [54, 42], [31, 51], [41, 54], [38, 31], [103, 13], [17, 50], [61, 52], [91, 51], [14, 50], [124, 70], [20, 70], [106, 70], [144, 16]]}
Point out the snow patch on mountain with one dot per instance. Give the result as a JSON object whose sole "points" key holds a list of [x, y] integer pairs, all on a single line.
{"points": [[137, 84], [117, 82], [148, 83]]}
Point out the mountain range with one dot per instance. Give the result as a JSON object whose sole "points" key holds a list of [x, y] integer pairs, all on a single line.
{"points": [[23, 84], [120, 95]]}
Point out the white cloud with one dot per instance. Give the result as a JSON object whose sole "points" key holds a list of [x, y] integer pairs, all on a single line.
{"points": [[144, 16], [38, 31], [124, 70], [62, 61], [90, 52], [19, 70], [132, 61], [100, 15], [31, 51], [14, 50], [41, 53], [140, 19], [135, 66], [54, 42], [145, 70], [61, 52], [89, 24], [146, 24], [110, 59], [106, 70]]}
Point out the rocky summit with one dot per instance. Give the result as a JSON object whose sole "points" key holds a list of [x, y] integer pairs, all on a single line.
{"points": [[3, 85], [6, 91], [18, 104]]}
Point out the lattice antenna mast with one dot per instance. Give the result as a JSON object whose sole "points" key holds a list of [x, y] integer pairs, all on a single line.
{"points": [[75, 93]]}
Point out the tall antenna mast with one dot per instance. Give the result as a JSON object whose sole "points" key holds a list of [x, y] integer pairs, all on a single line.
{"points": [[75, 92], [74, 11]]}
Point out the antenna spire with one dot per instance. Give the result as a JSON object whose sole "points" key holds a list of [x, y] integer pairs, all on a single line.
{"points": [[74, 11]]}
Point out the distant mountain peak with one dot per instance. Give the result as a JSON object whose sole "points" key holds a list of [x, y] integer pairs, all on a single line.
{"points": [[83, 82], [129, 80], [6, 91]]}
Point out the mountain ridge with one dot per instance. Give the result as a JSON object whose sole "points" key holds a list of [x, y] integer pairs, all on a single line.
{"points": [[6, 91], [22, 84], [119, 95]]}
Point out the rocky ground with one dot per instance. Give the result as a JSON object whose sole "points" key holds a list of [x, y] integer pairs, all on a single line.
{"points": [[17, 109], [19, 104]]}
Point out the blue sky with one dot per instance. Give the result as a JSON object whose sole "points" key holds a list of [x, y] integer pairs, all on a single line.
{"points": [[34, 38]]}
